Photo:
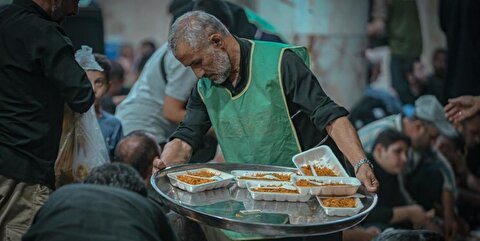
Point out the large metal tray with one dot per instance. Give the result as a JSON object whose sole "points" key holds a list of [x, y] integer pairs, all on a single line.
{"points": [[228, 211]]}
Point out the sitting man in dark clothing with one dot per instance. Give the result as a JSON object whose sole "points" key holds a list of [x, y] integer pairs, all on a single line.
{"points": [[389, 158], [115, 209], [117, 175]]}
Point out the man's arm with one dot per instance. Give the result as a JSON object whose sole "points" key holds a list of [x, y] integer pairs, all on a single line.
{"points": [[179, 84], [188, 136], [346, 138], [175, 152], [173, 109], [56, 54], [303, 90]]}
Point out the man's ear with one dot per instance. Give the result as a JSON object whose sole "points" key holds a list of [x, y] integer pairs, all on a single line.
{"points": [[377, 149], [216, 40]]}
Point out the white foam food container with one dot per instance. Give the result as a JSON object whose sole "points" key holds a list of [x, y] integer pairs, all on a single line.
{"points": [[321, 156], [242, 183], [276, 196], [351, 187], [221, 179], [332, 211]]}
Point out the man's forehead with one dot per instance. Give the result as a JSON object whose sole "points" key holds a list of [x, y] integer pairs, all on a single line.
{"points": [[183, 52]]}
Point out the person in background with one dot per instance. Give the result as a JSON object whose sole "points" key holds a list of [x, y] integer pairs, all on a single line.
{"points": [[454, 149], [389, 157], [427, 169], [437, 80], [120, 175], [399, 20], [38, 76], [147, 48], [117, 91], [464, 112], [98, 72], [417, 79], [126, 58], [111, 205], [138, 149]]}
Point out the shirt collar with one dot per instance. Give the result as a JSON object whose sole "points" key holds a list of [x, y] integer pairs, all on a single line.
{"points": [[33, 7]]}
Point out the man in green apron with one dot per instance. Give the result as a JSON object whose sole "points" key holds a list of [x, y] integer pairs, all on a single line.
{"points": [[261, 99]]}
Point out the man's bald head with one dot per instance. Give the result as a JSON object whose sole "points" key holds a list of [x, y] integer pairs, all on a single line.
{"points": [[138, 149]]}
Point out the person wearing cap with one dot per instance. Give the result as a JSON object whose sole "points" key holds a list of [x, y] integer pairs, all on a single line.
{"points": [[430, 177], [98, 68], [38, 76]]}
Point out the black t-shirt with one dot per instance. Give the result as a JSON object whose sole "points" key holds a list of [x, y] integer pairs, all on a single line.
{"points": [[309, 107], [389, 195], [38, 74], [80, 212]]}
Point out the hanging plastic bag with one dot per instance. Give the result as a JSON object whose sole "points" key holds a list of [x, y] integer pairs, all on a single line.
{"points": [[81, 147]]}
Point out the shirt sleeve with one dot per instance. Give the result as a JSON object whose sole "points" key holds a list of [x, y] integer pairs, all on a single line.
{"points": [[58, 61], [181, 80], [195, 123], [304, 91]]}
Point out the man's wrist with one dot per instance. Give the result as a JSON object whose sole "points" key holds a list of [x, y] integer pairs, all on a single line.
{"points": [[362, 162]]}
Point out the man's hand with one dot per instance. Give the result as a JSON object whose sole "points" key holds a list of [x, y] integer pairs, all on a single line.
{"points": [[367, 177], [461, 108], [419, 217], [175, 152], [449, 228], [158, 165]]}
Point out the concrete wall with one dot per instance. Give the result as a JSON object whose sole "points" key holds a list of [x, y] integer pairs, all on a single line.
{"points": [[132, 20]]}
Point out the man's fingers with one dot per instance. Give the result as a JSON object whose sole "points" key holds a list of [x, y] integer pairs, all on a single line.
{"points": [[158, 164], [371, 183], [452, 112], [463, 100]]}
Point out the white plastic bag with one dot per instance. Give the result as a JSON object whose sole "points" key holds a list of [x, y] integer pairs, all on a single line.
{"points": [[81, 147]]}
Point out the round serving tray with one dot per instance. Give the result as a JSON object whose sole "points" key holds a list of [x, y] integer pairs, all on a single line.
{"points": [[232, 208]]}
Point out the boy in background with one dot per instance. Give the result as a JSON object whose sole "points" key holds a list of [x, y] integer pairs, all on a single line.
{"points": [[98, 68]]}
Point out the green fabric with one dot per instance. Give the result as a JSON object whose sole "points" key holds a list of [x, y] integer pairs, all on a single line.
{"points": [[254, 126], [405, 36]]}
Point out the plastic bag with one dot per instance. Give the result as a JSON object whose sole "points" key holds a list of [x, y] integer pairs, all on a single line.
{"points": [[81, 147]]}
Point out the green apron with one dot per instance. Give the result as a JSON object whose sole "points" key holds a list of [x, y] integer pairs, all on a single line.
{"points": [[255, 126]]}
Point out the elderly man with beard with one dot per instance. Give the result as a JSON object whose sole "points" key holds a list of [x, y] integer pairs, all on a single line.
{"points": [[38, 75], [261, 98]]}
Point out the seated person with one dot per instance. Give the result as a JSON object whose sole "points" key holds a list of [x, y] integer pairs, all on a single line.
{"points": [[389, 158], [117, 91], [97, 68], [116, 209], [468, 200], [427, 169], [138, 149]]}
